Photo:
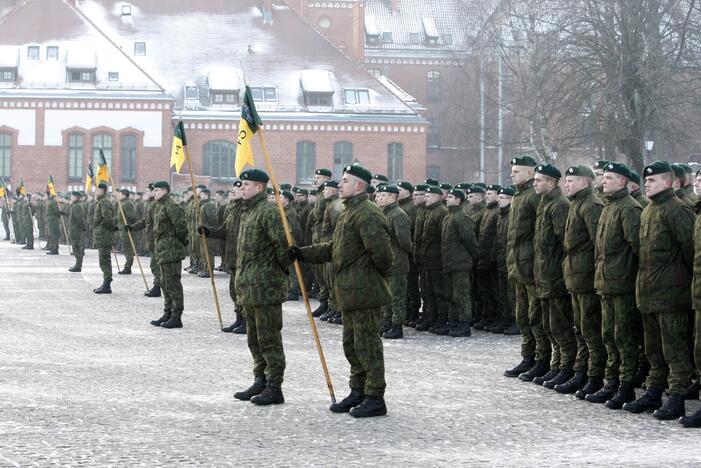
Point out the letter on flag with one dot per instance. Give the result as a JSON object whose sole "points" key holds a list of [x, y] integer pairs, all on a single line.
{"points": [[51, 187], [177, 154], [89, 178], [103, 174], [248, 126]]}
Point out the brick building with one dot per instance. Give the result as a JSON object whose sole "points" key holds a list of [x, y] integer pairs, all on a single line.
{"points": [[80, 75]]}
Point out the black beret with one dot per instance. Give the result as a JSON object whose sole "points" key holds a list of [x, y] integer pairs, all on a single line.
{"points": [[125, 192], [434, 189], [580, 171], [323, 172], [269, 190], [285, 186], [494, 187], [686, 168], [432, 182], [618, 168], [205, 190], [457, 193], [635, 177], [420, 188], [381, 177], [601, 164], [237, 183], [524, 160], [475, 189], [463, 186], [255, 175], [508, 190], [313, 191], [481, 184], [388, 188], [657, 167], [287, 194], [358, 171], [370, 189], [678, 170], [405, 185], [445, 186], [102, 185], [161, 184], [548, 170], [76, 194], [331, 184], [201, 186]]}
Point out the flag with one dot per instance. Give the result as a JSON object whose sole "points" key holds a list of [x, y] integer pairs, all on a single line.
{"points": [[51, 187], [89, 178], [177, 154], [21, 189], [103, 174], [248, 126], [3, 191]]}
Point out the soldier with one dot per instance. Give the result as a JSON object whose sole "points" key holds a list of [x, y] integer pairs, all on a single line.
{"points": [[379, 179], [334, 207], [361, 257], [320, 177], [688, 183], [507, 290], [616, 249], [476, 208], [27, 221], [634, 188], [296, 231], [104, 229], [208, 217], [92, 203], [5, 217], [662, 292], [40, 215], [487, 262], [170, 240], [420, 202], [598, 169], [52, 225], [261, 285], [147, 224], [130, 214], [678, 182], [413, 299], [16, 222], [77, 228], [140, 213], [394, 313], [535, 346], [459, 253]]}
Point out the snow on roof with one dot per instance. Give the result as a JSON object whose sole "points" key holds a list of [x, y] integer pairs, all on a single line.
{"points": [[9, 56], [81, 58], [316, 81], [224, 79]]}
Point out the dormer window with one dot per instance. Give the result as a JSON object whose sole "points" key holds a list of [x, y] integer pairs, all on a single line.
{"points": [[225, 98], [126, 9], [356, 96], [387, 37], [264, 93], [8, 74], [317, 88], [430, 30], [192, 93], [372, 33], [81, 65], [81, 76], [33, 53]]}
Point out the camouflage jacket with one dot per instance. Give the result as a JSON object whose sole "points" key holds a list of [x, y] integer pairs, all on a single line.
{"points": [[319, 209], [487, 237], [409, 207], [400, 237], [261, 254], [418, 232], [208, 211], [431, 256], [666, 256], [684, 197], [293, 222], [502, 237], [690, 194], [640, 197], [52, 213], [459, 245], [77, 221], [147, 224], [229, 231], [129, 213], [617, 245], [360, 254], [476, 212], [580, 236], [169, 231], [696, 282], [548, 243], [103, 223], [334, 207], [303, 210], [519, 250]]}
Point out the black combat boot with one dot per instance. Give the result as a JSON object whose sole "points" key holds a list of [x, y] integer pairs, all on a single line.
{"points": [[105, 288], [575, 383], [235, 325], [424, 325], [625, 394], [330, 312], [323, 307], [75, 269], [125, 271], [605, 393], [672, 409], [552, 373], [460, 329], [512, 329], [174, 321], [255, 389], [203, 273], [563, 376], [52, 252], [594, 384], [272, 395], [241, 329], [525, 364], [394, 333], [155, 291], [164, 318], [440, 327], [538, 370], [370, 407], [691, 421], [337, 319], [28, 247], [641, 374], [386, 325], [293, 296], [647, 403], [693, 392], [480, 324], [356, 397]]}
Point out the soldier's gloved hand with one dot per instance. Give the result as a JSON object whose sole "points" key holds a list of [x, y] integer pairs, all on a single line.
{"points": [[295, 253], [203, 230], [128, 227]]}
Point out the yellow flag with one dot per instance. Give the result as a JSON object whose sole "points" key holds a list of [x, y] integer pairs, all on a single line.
{"points": [[177, 153], [2, 192], [51, 187], [248, 126], [89, 178], [22, 190], [103, 174]]}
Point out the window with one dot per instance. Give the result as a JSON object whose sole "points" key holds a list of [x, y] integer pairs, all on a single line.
{"points": [[5, 153], [75, 156], [433, 172], [356, 96], [191, 93], [219, 158], [375, 72], [270, 94], [318, 99], [433, 138], [81, 76], [448, 39], [140, 49], [415, 38], [325, 22], [261, 94], [33, 52], [387, 37], [7, 75], [342, 156], [128, 157], [395, 161], [126, 10], [222, 98], [105, 141], [52, 53], [306, 162], [113, 76], [433, 90]]}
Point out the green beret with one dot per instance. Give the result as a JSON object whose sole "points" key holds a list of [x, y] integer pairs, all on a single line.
{"points": [[601, 164], [201, 186], [635, 177], [524, 160], [445, 186], [494, 187], [420, 188], [457, 193], [205, 190], [125, 192], [548, 170], [381, 177], [221, 192], [678, 170], [285, 186], [370, 189], [237, 183], [313, 192], [618, 168], [388, 188], [686, 168], [269, 190], [102, 185], [287, 194], [405, 185], [358, 171], [323, 172], [580, 171], [481, 184], [255, 175], [434, 189], [303, 191], [139, 193], [161, 184], [657, 167], [475, 189], [189, 189], [508, 190], [463, 186], [331, 184], [431, 182], [381, 183], [76, 194]]}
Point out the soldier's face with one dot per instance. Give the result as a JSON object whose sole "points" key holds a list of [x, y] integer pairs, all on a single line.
{"points": [[403, 193], [491, 196], [419, 198], [504, 200], [250, 189], [574, 184], [612, 182], [300, 197], [433, 198], [383, 199], [697, 185], [236, 193], [676, 183], [99, 192], [330, 192], [312, 198], [452, 200], [474, 198], [657, 183], [521, 174], [598, 178], [319, 179], [350, 186], [159, 193], [632, 186], [543, 184], [74, 199]]}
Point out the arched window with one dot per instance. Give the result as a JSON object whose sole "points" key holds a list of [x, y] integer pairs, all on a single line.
{"points": [[105, 141], [128, 157], [433, 89], [395, 161], [342, 156], [306, 162], [75, 156], [219, 158], [5, 154]]}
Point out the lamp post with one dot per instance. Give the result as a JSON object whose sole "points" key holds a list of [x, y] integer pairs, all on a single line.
{"points": [[649, 145]]}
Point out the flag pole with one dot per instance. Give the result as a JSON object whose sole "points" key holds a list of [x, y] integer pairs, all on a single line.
{"points": [[116, 260], [204, 238], [298, 269], [65, 231]]}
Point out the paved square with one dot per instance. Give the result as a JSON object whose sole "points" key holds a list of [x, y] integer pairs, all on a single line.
{"points": [[85, 380]]}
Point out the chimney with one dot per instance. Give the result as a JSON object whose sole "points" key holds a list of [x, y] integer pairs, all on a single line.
{"points": [[395, 7]]}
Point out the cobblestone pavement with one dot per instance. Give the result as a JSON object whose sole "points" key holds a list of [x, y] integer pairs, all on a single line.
{"points": [[85, 380]]}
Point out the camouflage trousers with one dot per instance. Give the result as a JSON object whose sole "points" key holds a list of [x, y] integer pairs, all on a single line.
{"points": [[20, 238], [363, 349], [529, 318], [667, 349], [591, 352], [558, 321], [263, 330], [413, 301], [206, 248], [104, 256], [697, 341], [171, 285], [620, 332], [126, 249], [459, 289], [484, 295], [54, 235], [507, 293], [78, 247], [435, 296], [6, 227], [328, 282], [29, 234], [396, 310], [321, 281], [292, 278], [155, 270]]}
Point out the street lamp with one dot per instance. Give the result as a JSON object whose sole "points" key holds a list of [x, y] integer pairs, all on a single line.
{"points": [[649, 144]]}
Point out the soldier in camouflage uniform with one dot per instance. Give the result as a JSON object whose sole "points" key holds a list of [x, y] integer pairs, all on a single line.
{"points": [[147, 224], [662, 292], [334, 207], [678, 184], [140, 213], [487, 262], [40, 214], [208, 217], [52, 225], [413, 300], [420, 202], [92, 203], [191, 221], [5, 216], [296, 231], [476, 208], [361, 257], [634, 187], [16, 223], [317, 220], [104, 229], [304, 209], [598, 169], [77, 229], [130, 214], [507, 290], [27, 220]]}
